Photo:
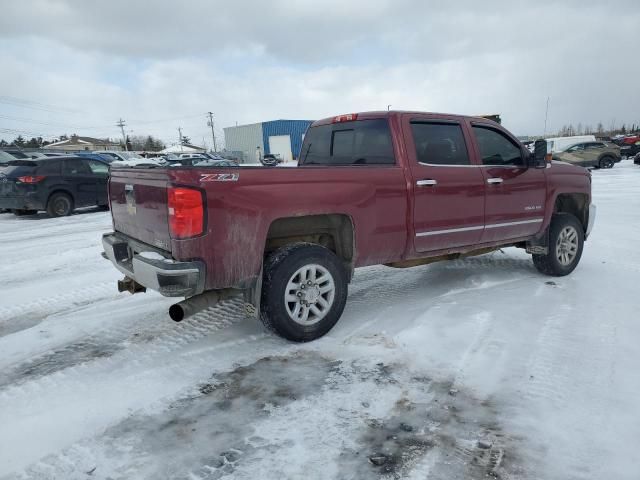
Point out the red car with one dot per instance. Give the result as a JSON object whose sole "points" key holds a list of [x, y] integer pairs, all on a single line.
{"points": [[394, 188]]}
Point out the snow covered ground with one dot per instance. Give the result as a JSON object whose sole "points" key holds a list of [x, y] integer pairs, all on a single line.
{"points": [[466, 369]]}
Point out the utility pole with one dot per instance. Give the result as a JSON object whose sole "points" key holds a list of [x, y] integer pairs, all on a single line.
{"points": [[180, 136], [388, 108], [546, 114], [121, 124], [213, 135]]}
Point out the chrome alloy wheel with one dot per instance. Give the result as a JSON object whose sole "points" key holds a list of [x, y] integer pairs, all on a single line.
{"points": [[309, 294], [567, 246]]}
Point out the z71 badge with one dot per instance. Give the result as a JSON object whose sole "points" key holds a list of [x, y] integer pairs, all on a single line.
{"points": [[219, 177]]}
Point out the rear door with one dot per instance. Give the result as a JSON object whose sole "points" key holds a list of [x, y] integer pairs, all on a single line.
{"points": [[100, 171], [82, 181], [515, 194], [448, 188]]}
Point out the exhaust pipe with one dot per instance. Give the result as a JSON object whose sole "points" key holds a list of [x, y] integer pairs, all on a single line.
{"points": [[197, 303], [130, 285]]}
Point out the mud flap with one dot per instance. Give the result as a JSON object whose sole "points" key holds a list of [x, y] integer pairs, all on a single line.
{"points": [[539, 245], [252, 297]]}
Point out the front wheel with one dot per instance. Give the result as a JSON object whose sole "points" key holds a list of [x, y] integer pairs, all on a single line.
{"points": [[566, 240], [304, 291], [607, 162]]}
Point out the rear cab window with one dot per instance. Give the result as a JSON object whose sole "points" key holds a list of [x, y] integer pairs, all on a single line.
{"points": [[359, 142]]}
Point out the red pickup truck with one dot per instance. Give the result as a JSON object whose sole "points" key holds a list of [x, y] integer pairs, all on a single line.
{"points": [[394, 188]]}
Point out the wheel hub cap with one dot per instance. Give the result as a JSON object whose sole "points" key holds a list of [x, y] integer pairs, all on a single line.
{"points": [[309, 294], [567, 246]]}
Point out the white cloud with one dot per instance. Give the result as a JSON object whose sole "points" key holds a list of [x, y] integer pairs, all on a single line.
{"points": [[253, 61]]}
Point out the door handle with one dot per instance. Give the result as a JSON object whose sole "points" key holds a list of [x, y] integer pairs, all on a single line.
{"points": [[494, 180], [426, 183]]}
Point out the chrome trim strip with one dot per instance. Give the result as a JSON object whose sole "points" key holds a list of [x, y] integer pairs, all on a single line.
{"points": [[450, 230], [470, 166], [509, 224], [480, 227]]}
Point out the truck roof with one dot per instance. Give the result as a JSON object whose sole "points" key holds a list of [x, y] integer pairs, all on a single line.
{"points": [[370, 115]]}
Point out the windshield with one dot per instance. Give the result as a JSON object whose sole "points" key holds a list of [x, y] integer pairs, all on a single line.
{"points": [[5, 158]]}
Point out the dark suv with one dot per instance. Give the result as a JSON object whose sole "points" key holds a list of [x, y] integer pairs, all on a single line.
{"points": [[57, 185]]}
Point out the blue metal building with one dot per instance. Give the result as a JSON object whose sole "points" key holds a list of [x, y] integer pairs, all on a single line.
{"points": [[281, 137]]}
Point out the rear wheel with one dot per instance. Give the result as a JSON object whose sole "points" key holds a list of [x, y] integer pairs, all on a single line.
{"points": [[566, 240], [304, 291], [607, 162], [59, 205]]}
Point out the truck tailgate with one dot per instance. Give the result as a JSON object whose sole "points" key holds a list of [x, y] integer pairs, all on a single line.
{"points": [[139, 205]]}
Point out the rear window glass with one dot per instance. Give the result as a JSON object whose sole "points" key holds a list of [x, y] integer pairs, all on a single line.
{"points": [[363, 142], [439, 143]]}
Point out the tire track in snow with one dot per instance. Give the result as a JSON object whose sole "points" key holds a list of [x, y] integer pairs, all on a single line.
{"points": [[58, 303], [71, 372]]}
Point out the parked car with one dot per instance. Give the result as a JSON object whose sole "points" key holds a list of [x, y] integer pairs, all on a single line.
{"points": [[636, 159], [16, 153], [97, 156], [590, 154], [630, 150], [5, 158], [56, 184], [119, 155], [559, 144], [370, 188]]}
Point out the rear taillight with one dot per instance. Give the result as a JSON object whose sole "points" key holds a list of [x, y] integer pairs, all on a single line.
{"points": [[186, 212], [32, 178]]}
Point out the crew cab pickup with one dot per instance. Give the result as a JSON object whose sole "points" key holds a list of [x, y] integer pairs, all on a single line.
{"points": [[395, 188]]}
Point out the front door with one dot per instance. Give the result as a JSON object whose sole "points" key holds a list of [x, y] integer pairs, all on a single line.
{"points": [[448, 189], [515, 193]]}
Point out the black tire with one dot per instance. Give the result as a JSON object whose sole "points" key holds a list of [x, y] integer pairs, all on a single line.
{"points": [[280, 268], [606, 162], [551, 263], [59, 205]]}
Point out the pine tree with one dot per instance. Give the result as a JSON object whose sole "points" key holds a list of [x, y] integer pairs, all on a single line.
{"points": [[19, 141]]}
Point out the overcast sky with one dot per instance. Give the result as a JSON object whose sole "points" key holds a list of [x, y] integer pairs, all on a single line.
{"points": [[77, 66]]}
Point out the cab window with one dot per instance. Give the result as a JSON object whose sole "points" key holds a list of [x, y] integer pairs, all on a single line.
{"points": [[439, 143]]}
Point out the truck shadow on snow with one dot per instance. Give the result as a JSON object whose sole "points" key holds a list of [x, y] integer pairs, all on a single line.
{"points": [[305, 416]]}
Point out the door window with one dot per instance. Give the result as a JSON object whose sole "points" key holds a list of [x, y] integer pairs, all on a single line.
{"points": [[98, 168], [496, 148], [439, 143], [75, 166], [576, 148]]}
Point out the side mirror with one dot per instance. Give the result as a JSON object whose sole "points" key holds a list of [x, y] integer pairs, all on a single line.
{"points": [[539, 157]]}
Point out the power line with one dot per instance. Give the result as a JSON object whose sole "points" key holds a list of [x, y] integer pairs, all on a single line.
{"points": [[20, 102]]}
